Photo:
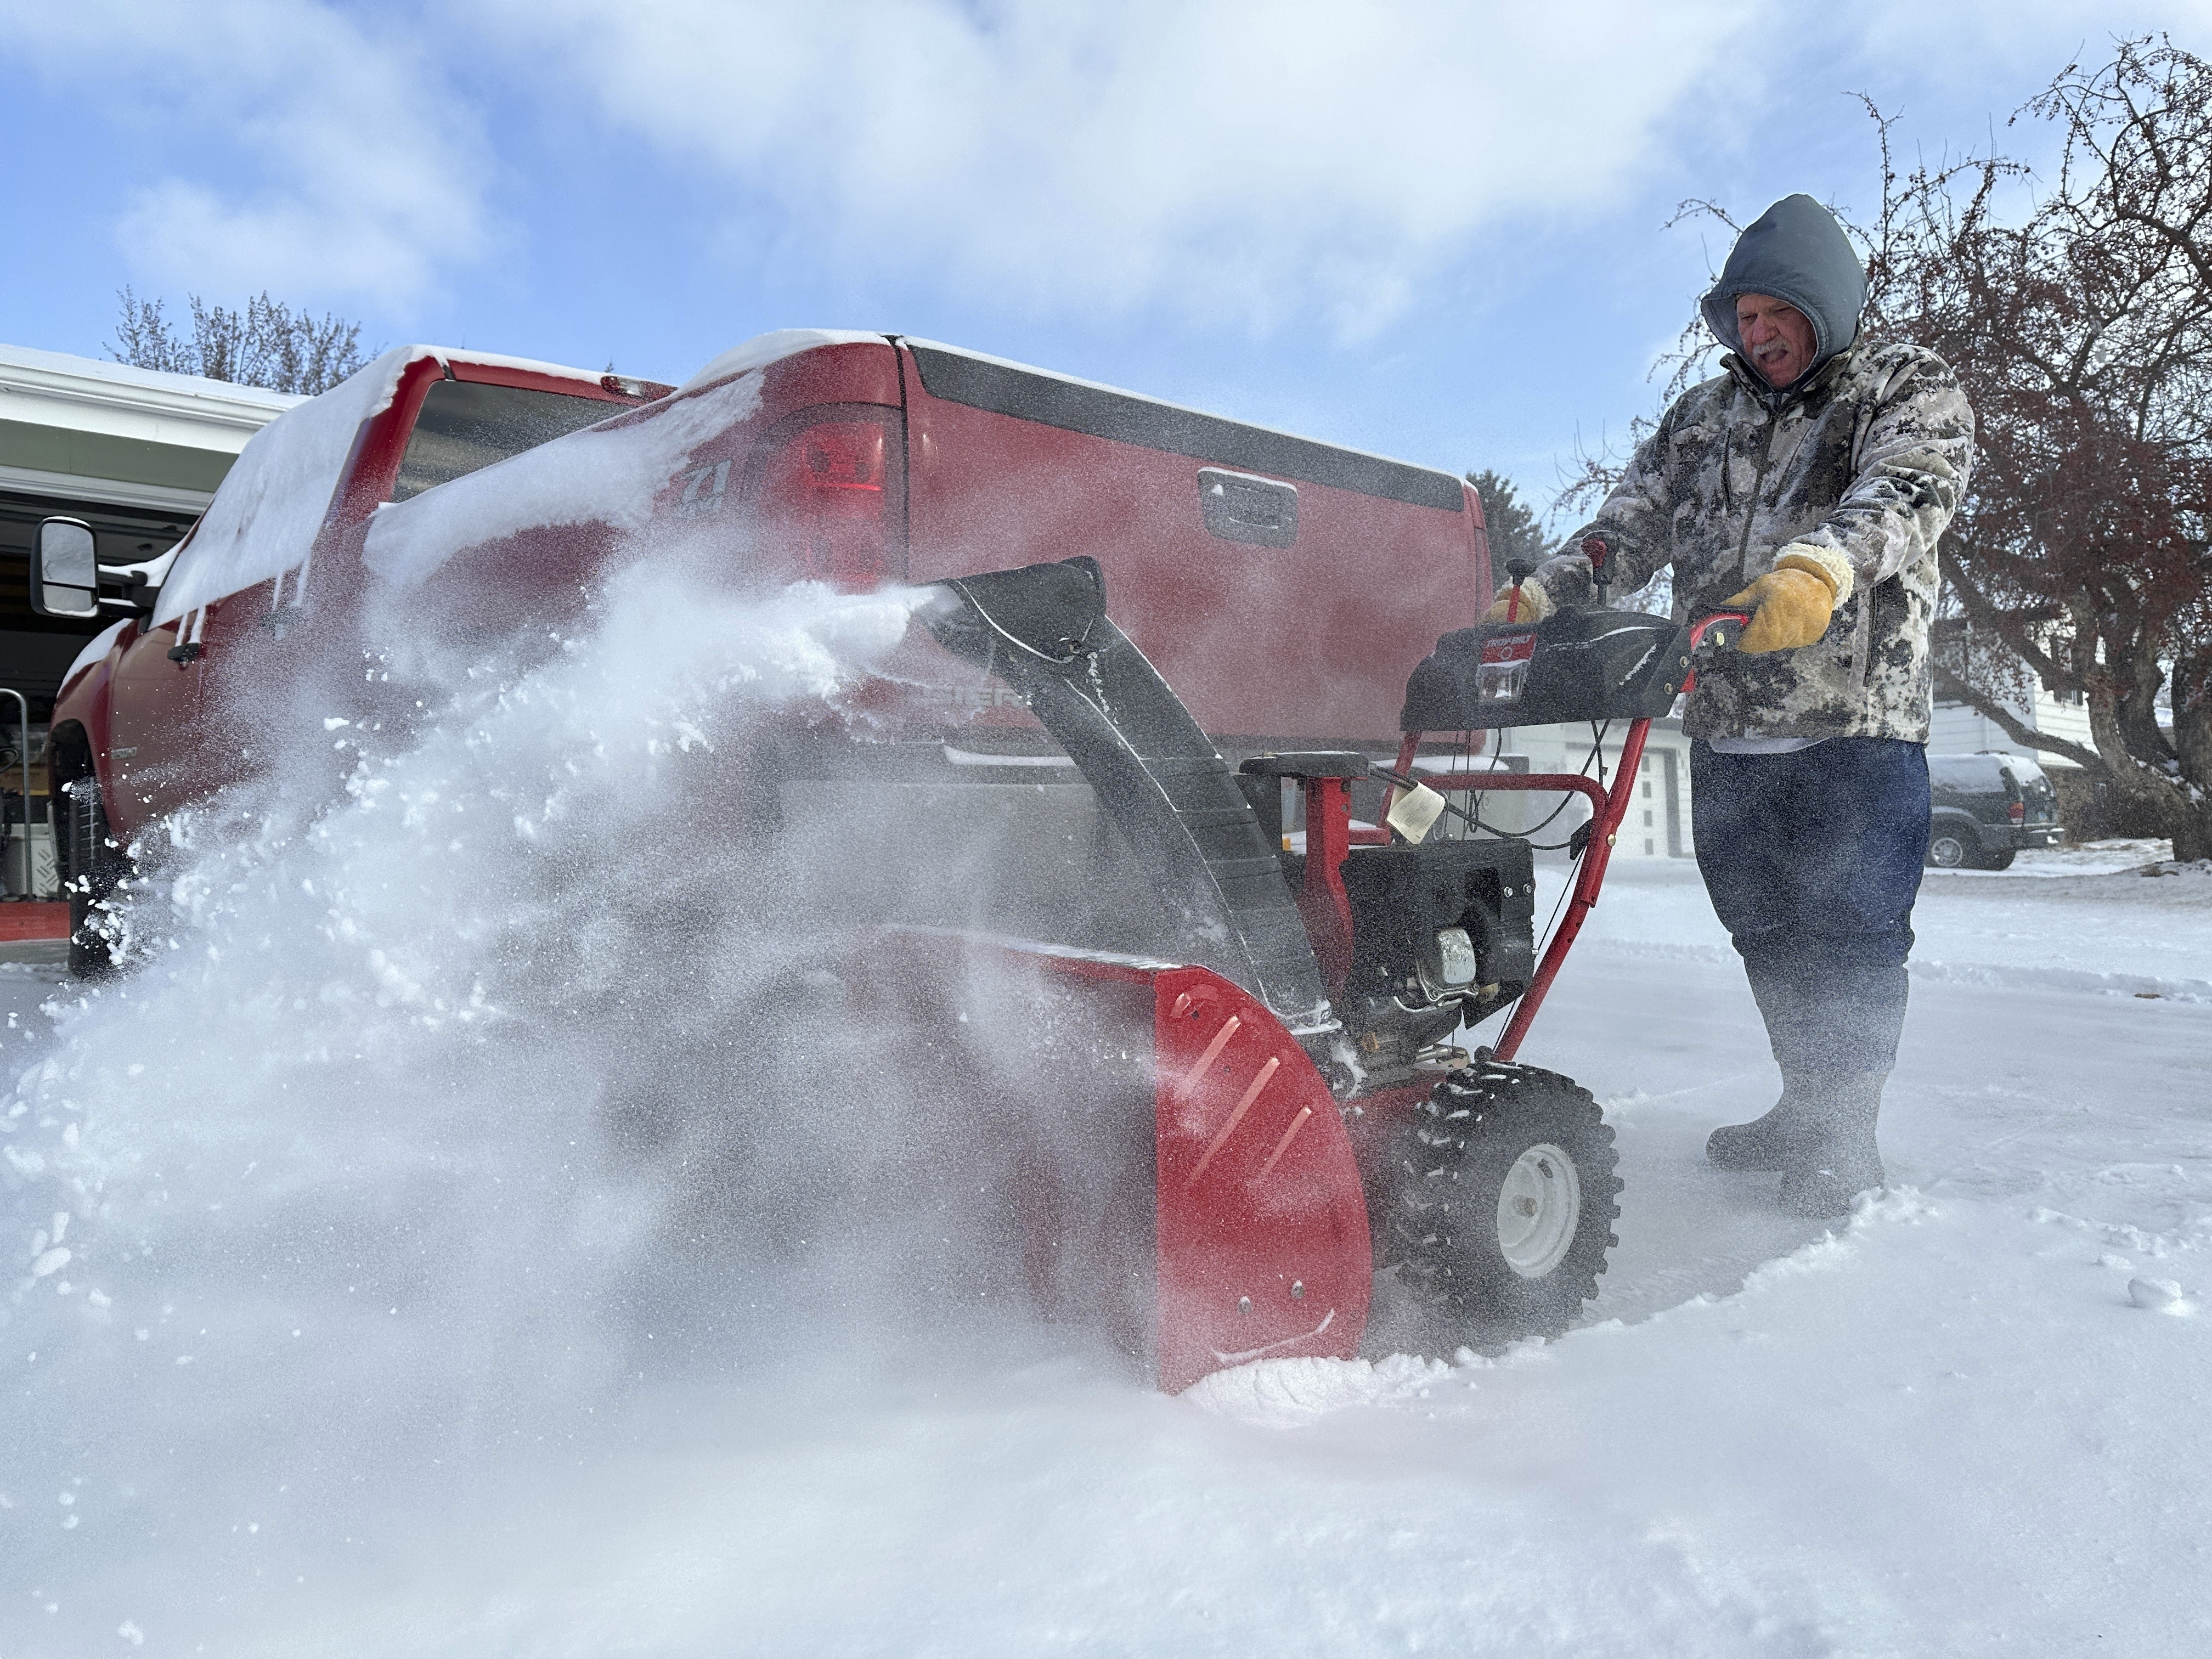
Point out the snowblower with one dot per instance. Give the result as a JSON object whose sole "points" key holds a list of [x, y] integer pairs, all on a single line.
{"points": [[1246, 1124]]}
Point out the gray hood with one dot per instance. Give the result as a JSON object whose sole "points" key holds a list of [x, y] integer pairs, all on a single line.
{"points": [[1798, 253]]}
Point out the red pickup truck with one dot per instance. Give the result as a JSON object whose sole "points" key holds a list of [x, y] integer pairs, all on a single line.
{"points": [[1285, 587]]}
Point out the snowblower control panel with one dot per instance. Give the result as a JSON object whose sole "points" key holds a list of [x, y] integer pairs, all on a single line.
{"points": [[1590, 665]]}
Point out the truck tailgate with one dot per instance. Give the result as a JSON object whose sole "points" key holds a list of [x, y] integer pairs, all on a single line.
{"points": [[1291, 606]]}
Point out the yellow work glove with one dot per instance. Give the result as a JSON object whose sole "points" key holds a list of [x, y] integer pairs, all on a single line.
{"points": [[1791, 604], [1536, 604]]}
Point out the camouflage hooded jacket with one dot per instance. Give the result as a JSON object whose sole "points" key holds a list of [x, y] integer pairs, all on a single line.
{"points": [[1867, 456]]}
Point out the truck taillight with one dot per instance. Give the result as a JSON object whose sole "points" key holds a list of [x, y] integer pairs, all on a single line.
{"points": [[2017, 811], [831, 503]]}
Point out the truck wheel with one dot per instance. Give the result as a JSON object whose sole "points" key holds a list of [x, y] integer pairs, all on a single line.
{"points": [[95, 868], [1947, 850], [1999, 860], [1505, 1205]]}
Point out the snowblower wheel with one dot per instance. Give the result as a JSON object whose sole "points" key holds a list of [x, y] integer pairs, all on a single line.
{"points": [[1505, 1206]]}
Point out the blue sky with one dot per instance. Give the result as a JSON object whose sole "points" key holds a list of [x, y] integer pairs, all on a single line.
{"points": [[1430, 229]]}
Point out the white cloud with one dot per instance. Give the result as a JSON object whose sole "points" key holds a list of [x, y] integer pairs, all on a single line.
{"points": [[365, 185], [1963, 42], [1249, 161]]}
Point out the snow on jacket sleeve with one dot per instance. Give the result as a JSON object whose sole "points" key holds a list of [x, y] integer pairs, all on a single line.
{"points": [[1914, 454]]}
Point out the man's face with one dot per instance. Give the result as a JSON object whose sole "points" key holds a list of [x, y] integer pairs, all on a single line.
{"points": [[1777, 339]]}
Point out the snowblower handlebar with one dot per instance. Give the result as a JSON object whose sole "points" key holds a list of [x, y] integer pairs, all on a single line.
{"points": [[1721, 628], [1585, 663]]}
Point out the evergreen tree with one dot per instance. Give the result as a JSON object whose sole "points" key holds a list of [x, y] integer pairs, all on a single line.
{"points": [[1515, 533]]}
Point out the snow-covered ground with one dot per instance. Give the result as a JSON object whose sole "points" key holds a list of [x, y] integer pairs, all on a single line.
{"points": [[2083, 918], [400, 1373]]}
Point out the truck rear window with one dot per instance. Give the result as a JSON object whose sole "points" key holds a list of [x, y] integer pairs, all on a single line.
{"points": [[464, 426]]}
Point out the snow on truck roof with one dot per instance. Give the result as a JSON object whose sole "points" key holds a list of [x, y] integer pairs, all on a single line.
{"points": [[773, 347], [264, 518], [610, 475]]}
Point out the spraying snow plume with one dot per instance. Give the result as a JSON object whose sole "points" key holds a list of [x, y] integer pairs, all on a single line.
{"points": [[379, 1153]]}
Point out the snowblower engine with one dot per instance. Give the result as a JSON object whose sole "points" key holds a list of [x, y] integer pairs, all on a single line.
{"points": [[1443, 934]]}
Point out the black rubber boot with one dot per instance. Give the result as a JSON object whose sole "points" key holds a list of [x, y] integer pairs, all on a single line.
{"points": [[1836, 1159], [1766, 1143]]}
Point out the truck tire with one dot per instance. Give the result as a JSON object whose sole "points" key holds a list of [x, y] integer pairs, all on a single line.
{"points": [[2000, 860], [95, 868], [1947, 850], [1505, 1205]]}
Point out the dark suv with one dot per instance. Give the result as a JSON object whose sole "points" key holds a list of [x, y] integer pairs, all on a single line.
{"points": [[1987, 807]]}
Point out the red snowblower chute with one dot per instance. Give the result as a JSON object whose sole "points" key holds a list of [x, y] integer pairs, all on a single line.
{"points": [[1249, 1125]]}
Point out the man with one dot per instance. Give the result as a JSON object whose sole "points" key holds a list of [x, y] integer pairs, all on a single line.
{"points": [[1808, 484]]}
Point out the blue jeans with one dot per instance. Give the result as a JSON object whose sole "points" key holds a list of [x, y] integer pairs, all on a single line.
{"points": [[1812, 860]]}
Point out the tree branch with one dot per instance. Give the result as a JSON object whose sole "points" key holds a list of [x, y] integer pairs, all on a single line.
{"points": [[1956, 690]]}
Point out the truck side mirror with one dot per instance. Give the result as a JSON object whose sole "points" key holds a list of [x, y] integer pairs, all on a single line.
{"points": [[64, 570]]}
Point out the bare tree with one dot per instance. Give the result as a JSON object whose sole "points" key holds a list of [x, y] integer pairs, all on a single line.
{"points": [[2082, 330], [266, 344], [144, 340]]}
